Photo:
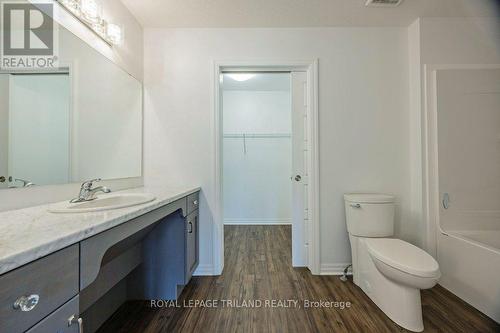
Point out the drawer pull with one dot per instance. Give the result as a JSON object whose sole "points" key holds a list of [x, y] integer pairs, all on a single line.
{"points": [[195, 202], [26, 303], [72, 320], [190, 231]]}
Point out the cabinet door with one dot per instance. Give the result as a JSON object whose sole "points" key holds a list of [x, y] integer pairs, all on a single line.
{"points": [[191, 244], [63, 320]]}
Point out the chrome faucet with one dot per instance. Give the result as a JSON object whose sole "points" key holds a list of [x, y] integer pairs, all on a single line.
{"points": [[87, 193]]}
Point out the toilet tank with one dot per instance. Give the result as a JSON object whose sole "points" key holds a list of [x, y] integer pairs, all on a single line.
{"points": [[369, 215]]}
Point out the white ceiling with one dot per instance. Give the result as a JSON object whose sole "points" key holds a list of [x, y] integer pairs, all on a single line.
{"points": [[297, 13]]}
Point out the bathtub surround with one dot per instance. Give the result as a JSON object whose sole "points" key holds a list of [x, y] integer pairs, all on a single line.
{"points": [[468, 41]]}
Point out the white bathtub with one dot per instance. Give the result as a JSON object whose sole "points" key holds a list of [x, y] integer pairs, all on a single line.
{"points": [[486, 238], [470, 267]]}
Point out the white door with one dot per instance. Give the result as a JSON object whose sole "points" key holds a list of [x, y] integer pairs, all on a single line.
{"points": [[299, 178], [39, 118]]}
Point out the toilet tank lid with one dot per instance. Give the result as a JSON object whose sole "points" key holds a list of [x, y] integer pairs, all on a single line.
{"points": [[369, 198]]}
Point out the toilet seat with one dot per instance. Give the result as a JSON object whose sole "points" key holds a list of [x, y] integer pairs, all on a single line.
{"points": [[403, 256]]}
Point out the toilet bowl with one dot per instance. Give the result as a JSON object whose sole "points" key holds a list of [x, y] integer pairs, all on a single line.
{"points": [[390, 271], [403, 262]]}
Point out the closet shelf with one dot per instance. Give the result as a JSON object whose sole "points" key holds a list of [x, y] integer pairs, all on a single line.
{"points": [[257, 135]]}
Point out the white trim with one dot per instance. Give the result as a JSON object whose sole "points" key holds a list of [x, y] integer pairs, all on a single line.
{"points": [[258, 221], [313, 167], [311, 67], [430, 191], [334, 269], [204, 270]]}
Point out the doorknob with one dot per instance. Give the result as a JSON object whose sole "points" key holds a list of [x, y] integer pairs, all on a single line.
{"points": [[298, 178]]}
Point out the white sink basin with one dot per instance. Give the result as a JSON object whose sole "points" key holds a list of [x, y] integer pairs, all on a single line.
{"points": [[107, 202]]}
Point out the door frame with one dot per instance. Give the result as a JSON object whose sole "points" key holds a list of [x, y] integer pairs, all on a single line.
{"points": [[311, 68]]}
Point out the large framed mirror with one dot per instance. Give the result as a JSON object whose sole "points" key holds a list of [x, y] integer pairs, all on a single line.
{"points": [[80, 121]]}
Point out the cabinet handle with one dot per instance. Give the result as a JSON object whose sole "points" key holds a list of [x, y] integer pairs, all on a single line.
{"points": [[356, 205], [190, 230], [26, 303], [79, 321]]}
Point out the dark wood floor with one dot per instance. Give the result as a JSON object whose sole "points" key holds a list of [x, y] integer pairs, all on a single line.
{"points": [[258, 267]]}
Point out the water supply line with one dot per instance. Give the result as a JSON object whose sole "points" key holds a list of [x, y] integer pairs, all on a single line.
{"points": [[343, 278]]}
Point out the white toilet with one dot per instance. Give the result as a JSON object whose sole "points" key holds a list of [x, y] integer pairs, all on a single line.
{"points": [[390, 271]]}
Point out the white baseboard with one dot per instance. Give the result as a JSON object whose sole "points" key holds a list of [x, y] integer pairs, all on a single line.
{"points": [[204, 270], [326, 269], [334, 269], [263, 221]]}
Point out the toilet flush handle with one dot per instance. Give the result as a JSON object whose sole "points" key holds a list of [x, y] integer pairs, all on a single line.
{"points": [[356, 205]]}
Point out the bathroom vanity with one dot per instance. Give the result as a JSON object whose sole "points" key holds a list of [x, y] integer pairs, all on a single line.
{"points": [[67, 267], [68, 272]]}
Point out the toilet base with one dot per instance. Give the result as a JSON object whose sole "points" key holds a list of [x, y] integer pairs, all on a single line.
{"points": [[399, 302]]}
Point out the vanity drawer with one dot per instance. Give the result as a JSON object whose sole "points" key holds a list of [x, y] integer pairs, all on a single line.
{"points": [[54, 279], [193, 201], [63, 320]]}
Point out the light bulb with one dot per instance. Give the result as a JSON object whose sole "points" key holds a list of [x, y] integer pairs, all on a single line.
{"points": [[114, 33], [91, 10]]}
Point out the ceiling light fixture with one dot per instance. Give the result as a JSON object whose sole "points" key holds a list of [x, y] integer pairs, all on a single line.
{"points": [[240, 77], [89, 13]]}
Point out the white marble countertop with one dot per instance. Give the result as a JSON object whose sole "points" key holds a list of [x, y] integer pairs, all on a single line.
{"points": [[31, 233]]}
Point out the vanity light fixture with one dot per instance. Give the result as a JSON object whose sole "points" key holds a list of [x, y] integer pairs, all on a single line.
{"points": [[89, 13]]}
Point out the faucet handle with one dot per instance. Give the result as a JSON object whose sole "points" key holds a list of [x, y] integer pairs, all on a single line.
{"points": [[88, 184]]}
